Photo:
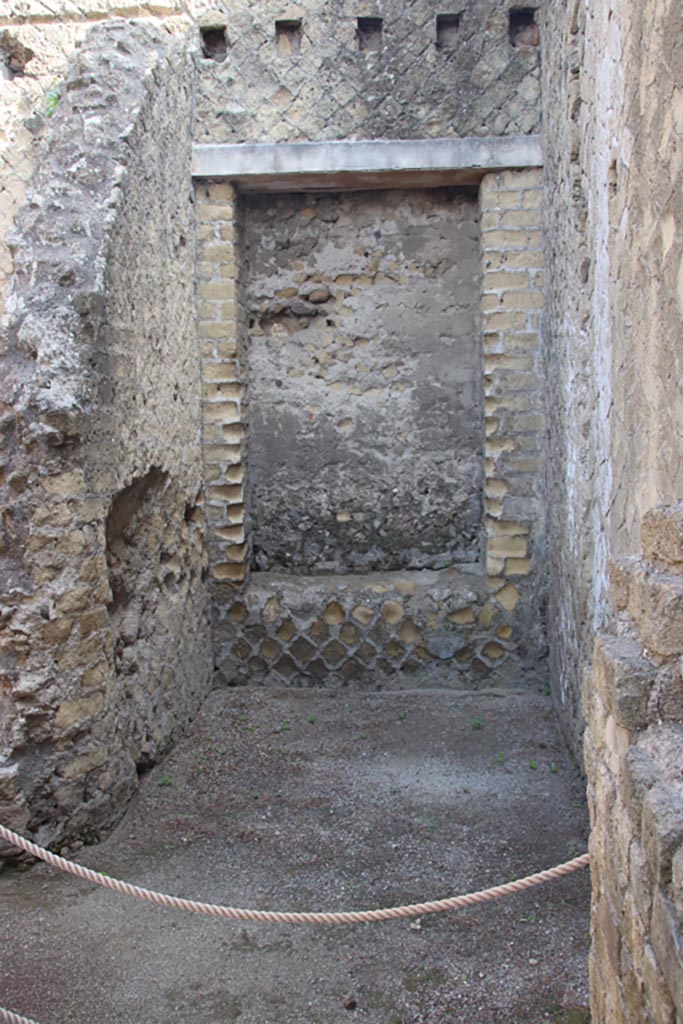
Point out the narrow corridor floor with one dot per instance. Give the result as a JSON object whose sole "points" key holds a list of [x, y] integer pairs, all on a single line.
{"points": [[309, 800]]}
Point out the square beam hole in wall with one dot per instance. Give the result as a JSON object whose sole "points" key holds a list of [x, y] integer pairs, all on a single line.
{"points": [[369, 34], [214, 43], [288, 36], [524, 30], [364, 360], [447, 31]]}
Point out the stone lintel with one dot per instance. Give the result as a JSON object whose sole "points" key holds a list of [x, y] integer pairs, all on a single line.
{"points": [[422, 163]]}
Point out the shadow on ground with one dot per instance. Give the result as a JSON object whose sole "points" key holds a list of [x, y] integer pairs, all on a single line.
{"points": [[305, 800]]}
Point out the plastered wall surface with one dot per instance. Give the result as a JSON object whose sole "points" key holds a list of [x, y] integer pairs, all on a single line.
{"points": [[105, 618], [366, 398]]}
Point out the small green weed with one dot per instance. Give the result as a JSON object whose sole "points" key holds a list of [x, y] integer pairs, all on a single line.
{"points": [[165, 780], [533, 764], [498, 759], [477, 722], [52, 98]]}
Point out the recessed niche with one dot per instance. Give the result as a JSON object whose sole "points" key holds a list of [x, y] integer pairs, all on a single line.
{"points": [[523, 29], [214, 43], [369, 34], [364, 363], [447, 31], [288, 36]]}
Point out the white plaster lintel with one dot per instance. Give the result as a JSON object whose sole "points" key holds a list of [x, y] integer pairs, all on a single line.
{"points": [[364, 164]]}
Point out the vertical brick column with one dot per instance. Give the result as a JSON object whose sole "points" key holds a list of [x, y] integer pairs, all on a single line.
{"points": [[223, 381], [512, 300]]}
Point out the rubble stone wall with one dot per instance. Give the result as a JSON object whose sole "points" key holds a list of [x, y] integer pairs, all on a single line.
{"points": [[633, 700], [366, 398], [37, 44], [106, 646], [614, 144]]}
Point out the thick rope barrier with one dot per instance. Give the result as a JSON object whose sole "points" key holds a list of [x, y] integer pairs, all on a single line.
{"points": [[13, 1018], [291, 917]]}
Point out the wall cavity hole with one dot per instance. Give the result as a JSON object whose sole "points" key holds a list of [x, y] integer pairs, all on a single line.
{"points": [[14, 56], [288, 36], [214, 44], [524, 30], [369, 34], [447, 31]]}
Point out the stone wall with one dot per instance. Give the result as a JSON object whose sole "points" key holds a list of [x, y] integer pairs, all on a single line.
{"points": [[37, 44], [364, 357], [633, 700], [482, 621], [613, 172], [106, 649], [309, 71], [613, 169]]}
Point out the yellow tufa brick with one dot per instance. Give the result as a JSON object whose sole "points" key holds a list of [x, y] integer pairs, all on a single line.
{"points": [[229, 572], [494, 564], [508, 547], [523, 179], [233, 534], [213, 391], [226, 492], [508, 596], [501, 279], [218, 252], [521, 219], [217, 290], [503, 321], [507, 403], [225, 411], [236, 552], [220, 191], [517, 566], [236, 513], [506, 528], [493, 651], [522, 300], [463, 617], [493, 507], [223, 372], [499, 362]]}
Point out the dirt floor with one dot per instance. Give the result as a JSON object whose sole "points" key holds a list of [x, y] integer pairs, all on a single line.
{"points": [[309, 800]]}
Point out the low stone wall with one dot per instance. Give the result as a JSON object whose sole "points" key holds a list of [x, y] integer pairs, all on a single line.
{"points": [[106, 646], [633, 702], [377, 631]]}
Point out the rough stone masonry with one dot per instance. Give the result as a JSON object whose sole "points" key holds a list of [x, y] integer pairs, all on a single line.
{"points": [[135, 395]]}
